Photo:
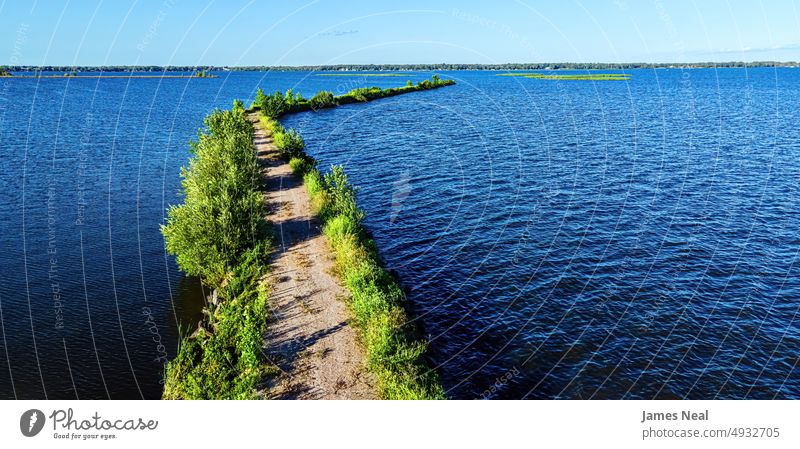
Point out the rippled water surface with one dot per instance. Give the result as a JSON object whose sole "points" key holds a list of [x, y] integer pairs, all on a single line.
{"points": [[590, 240], [557, 239]]}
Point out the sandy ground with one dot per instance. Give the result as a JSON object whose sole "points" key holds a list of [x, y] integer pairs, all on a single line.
{"points": [[308, 337]]}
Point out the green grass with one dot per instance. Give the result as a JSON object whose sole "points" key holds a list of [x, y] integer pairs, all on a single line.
{"points": [[573, 76], [394, 350], [223, 359]]}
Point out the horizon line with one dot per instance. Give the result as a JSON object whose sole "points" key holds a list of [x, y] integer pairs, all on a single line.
{"points": [[424, 64]]}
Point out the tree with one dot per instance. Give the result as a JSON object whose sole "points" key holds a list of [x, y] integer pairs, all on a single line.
{"points": [[260, 98], [323, 99], [275, 105], [222, 212]]}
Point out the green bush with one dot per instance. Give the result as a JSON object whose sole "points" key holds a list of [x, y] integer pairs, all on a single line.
{"points": [[259, 100], [293, 99], [323, 99], [289, 142], [226, 362], [219, 233], [274, 106], [222, 212], [272, 126], [301, 165], [363, 94], [342, 196]]}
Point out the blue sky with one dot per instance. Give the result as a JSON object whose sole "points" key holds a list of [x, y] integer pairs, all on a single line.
{"points": [[289, 32]]}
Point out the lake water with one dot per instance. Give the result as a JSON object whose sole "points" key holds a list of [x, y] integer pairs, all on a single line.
{"points": [[557, 239]]}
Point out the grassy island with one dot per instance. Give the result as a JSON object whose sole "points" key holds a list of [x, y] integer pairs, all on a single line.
{"points": [[5, 73], [203, 74]]}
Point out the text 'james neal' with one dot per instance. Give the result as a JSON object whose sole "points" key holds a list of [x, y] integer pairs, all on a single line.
{"points": [[686, 415]]}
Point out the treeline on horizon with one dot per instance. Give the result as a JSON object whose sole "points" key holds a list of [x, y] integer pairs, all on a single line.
{"points": [[411, 67]]}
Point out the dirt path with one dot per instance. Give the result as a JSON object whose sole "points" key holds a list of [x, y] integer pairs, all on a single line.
{"points": [[308, 337]]}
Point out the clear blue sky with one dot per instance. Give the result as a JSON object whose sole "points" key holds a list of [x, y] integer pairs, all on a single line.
{"points": [[289, 32]]}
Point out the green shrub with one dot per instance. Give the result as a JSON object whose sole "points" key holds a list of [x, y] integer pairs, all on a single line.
{"points": [[364, 93], [218, 233], [259, 100], [342, 195], [226, 363], [301, 165], [274, 106], [272, 126], [289, 97], [323, 99], [292, 99], [289, 142], [222, 212]]}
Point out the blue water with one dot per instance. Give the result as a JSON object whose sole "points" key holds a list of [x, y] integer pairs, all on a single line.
{"points": [[557, 239], [566, 239]]}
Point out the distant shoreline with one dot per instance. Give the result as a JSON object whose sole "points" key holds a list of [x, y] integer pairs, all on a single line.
{"points": [[73, 73], [412, 67], [61, 77]]}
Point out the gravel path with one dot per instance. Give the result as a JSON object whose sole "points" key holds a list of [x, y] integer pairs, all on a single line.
{"points": [[308, 337]]}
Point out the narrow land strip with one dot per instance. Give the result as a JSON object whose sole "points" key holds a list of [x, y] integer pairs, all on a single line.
{"points": [[308, 337]]}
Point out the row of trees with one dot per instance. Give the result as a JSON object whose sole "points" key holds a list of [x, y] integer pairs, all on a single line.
{"points": [[277, 104], [414, 67], [219, 234], [109, 68]]}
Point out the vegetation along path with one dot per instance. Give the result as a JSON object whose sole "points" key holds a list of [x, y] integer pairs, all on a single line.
{"points": [[321, 340], [308, 337]]}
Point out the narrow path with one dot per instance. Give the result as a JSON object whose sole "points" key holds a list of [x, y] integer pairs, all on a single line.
{"points": [[308, 336]]}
